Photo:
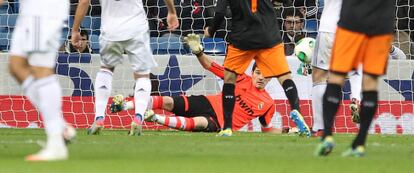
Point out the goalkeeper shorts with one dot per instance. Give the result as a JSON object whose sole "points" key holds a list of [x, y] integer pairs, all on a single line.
{"points": [[196, 106]]}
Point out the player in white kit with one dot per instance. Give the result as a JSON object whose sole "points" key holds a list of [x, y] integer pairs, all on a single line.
{"points": [[124, 29], [321, 61], [32, 57]]}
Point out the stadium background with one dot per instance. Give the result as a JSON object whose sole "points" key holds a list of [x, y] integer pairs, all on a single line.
{"points": [[179, 72]]}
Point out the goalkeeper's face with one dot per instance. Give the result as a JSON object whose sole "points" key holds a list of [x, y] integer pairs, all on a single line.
{"points": [[259, 81]]}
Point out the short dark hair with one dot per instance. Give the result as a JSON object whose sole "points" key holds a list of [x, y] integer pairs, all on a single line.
{"points": [[84, 32], [292, 12], [254, 67]]}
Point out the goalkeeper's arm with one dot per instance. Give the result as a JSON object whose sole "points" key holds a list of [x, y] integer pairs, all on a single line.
{"points": [[193, 41]]}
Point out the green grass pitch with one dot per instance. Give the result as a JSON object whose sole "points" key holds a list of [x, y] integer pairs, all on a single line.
{"points": [[166, 151]]}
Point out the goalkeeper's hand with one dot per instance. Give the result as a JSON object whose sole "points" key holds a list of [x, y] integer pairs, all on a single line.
{"points": [[193, 41]]}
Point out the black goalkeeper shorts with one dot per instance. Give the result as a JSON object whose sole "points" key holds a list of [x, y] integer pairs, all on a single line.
{"points": [[195, 106]]}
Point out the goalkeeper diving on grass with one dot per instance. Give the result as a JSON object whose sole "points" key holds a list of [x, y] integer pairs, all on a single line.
{"points": [[204, 112]]}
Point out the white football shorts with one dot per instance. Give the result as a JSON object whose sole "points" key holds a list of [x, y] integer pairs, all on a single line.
{"points": [[138, 51], [37, 38], [323, 50]]}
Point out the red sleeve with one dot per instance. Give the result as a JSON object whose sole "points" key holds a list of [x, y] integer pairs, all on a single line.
{"points": [[218, 70]]}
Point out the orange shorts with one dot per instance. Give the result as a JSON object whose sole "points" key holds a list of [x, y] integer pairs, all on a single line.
{"points": [[271, 62], [352, 48]]}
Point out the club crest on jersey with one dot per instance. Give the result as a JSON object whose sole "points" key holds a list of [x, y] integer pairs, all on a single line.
{"points": [[260, 105]]}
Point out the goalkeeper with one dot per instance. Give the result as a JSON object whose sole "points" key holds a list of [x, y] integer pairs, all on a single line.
{"points": [[204, 113]]}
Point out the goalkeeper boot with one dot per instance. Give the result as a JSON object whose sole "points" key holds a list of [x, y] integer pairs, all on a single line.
{"points": [[225, 132], [97, 126], [354, 106], [69, 134], [359, 151], [117, 104], [300, 123], [149, 116], [325, 147], [136, 126]]}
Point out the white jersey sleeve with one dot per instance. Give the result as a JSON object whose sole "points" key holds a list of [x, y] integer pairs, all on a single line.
{"points": [[53, 9], [122, 19], [330, 16], [396, 53]]}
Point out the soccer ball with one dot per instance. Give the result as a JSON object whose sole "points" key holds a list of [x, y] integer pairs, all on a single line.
{"points": [[304, 49]]}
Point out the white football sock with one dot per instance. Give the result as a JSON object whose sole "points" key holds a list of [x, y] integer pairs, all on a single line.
{"points": [[142, 95], [103, 87], [317, 94], [50, 105], [29, 91], [355, 80]]}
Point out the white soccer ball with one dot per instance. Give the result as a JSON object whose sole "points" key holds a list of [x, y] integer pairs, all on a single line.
{"points": [[304, 49]]}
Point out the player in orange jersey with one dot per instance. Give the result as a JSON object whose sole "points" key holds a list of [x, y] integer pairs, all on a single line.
{"points": [[205, 113], [359, 39]]}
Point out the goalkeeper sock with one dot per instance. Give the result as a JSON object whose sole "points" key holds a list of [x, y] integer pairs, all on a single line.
{"points": [[368, 107], [103, 87], [291, 93], [176, 122], [228, 104], [331, 100], [317, 94], [157, 102], [142, 95], [50, 104]]}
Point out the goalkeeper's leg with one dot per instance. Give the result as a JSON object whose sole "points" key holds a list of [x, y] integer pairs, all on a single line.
{"points": [[119, 103], [197, 123]]}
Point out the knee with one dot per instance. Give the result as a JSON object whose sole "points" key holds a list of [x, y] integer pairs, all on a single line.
{"points": [[284, 77], [230, 77], [13, 69], [168, 103], [369, 82], [200, 123], [319, 76]]}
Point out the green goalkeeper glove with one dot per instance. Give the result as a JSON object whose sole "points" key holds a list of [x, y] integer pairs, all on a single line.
{"points": [[193, 41]]}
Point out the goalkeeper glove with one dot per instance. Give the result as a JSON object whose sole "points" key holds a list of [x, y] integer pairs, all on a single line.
{"points": [[193, 41]]}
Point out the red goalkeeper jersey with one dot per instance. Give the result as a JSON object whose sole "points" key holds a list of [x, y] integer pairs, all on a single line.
{"points": [[250, 102]]}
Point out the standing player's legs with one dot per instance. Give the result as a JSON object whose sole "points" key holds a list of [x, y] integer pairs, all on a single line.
{"points": [[111, 55], [236, 62], [142, 61], [320, 64], [36, 74], [272, 63], [374, 61], [347, 48]]}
